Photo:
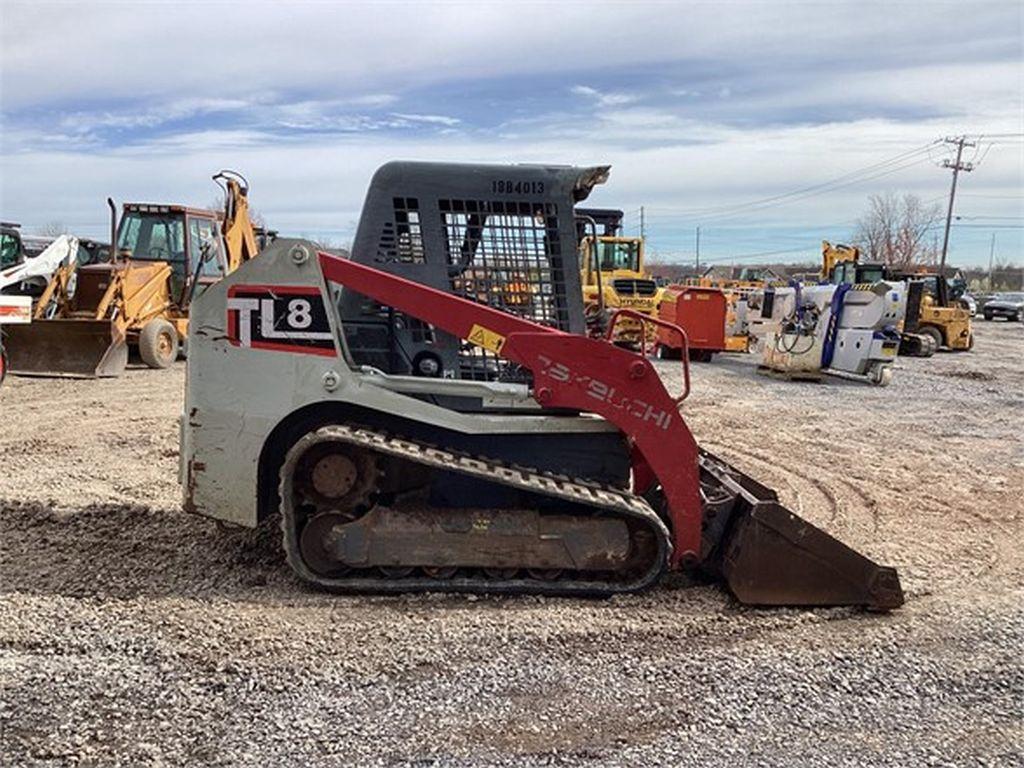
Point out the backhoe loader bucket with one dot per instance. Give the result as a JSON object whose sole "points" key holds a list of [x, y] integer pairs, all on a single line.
{"points": [[65, 347], [770, 556]]}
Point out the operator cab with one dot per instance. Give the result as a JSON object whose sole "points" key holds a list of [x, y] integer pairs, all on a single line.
{"points": [[187, 239], [852, 273]]}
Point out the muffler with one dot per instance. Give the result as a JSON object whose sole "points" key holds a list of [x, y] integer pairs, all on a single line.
{"points": [[67, 347], [770, 556]]}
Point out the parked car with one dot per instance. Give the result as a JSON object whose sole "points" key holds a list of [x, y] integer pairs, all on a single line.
{"points": [[1007, 305], [967, 302]]}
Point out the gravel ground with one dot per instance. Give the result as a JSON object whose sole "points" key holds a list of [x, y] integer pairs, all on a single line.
{"points": [[132, 634]]}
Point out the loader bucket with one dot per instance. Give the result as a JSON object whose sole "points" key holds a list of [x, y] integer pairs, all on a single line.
{"points": [[770, 556], [66, 347]]}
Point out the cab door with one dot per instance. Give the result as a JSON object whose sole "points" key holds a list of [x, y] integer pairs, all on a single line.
{"points": [[207, 261]]}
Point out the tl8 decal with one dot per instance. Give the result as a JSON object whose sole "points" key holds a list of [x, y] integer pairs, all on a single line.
{"points": [[286, 318]]}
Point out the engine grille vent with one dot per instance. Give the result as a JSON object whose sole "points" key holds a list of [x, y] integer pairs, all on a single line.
{"points": [[632, 287]]}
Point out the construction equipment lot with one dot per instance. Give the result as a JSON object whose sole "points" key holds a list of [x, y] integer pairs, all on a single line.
{"points": [[133, 633]]}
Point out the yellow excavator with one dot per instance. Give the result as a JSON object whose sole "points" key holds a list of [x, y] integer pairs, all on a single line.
{"points": [[933, 319], [88, 317], [612, 274]]}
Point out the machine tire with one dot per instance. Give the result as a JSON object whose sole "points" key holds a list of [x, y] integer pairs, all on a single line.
{"points": [[880, 375], [428, 365], [932, 332], [701, 355], [928, 348], [988, 317], [158, 344], [669, 353], [3, 362]]}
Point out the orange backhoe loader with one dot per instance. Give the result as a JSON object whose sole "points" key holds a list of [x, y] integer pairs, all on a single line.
{"points": [[88, 317]]}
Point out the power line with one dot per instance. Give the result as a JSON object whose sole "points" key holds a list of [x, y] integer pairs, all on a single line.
{"points": [[796, 198], [875, 170], [992, 197], [988, 226], [798, 195], [976, 218]]}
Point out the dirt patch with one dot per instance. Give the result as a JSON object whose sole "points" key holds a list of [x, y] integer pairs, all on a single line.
{"points": [[971, 375]]}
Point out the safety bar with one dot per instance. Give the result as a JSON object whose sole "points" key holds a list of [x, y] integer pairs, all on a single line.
{"points": [[643, 319]]}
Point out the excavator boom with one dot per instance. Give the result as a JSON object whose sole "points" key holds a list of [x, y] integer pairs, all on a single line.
{"points": [[237, 228]]}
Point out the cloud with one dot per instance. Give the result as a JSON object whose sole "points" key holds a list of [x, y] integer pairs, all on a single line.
{"points": [[149, 116], [603, 99], [431, 119], [694, 107]]}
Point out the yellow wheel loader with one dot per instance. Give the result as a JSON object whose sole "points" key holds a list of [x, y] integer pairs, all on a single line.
{"points": [[88, 317], [613, 275]]}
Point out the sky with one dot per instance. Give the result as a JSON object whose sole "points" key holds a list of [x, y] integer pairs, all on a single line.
{"points": [[710, 114]]}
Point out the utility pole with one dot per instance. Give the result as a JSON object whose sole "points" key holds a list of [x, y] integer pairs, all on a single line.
{"points": [[698, 251], [991, 255], [643, 231], [957, 166]]}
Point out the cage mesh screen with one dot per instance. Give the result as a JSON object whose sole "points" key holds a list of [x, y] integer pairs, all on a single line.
{"points": [[506, 255]]}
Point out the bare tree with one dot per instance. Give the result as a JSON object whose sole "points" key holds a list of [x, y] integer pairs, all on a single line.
{"points": [[255, 216], [894, 230], [53, 229], [330, 244]]}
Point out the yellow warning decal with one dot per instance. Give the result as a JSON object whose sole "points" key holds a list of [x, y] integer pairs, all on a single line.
{"points": [[486, 338]]}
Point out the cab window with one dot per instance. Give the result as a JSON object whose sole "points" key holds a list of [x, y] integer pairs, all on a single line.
{"points": [[203, 237], [154, 237], [618, 256], [871, 275], [9, 250]]}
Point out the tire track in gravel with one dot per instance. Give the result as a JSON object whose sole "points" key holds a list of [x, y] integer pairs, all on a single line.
{"points": [[833, 510]]}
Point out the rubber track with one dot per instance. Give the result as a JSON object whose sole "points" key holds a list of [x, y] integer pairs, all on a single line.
{"points": [[599, 497]]}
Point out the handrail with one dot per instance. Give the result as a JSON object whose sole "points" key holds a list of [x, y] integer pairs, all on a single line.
{"points": [[643, 319]]}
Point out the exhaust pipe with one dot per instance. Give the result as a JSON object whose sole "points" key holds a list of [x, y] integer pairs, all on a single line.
{"points": [[113, 230]]}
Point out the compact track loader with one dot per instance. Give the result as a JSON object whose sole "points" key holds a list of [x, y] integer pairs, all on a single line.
{"points": [[88, 316], [415, 433]]}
